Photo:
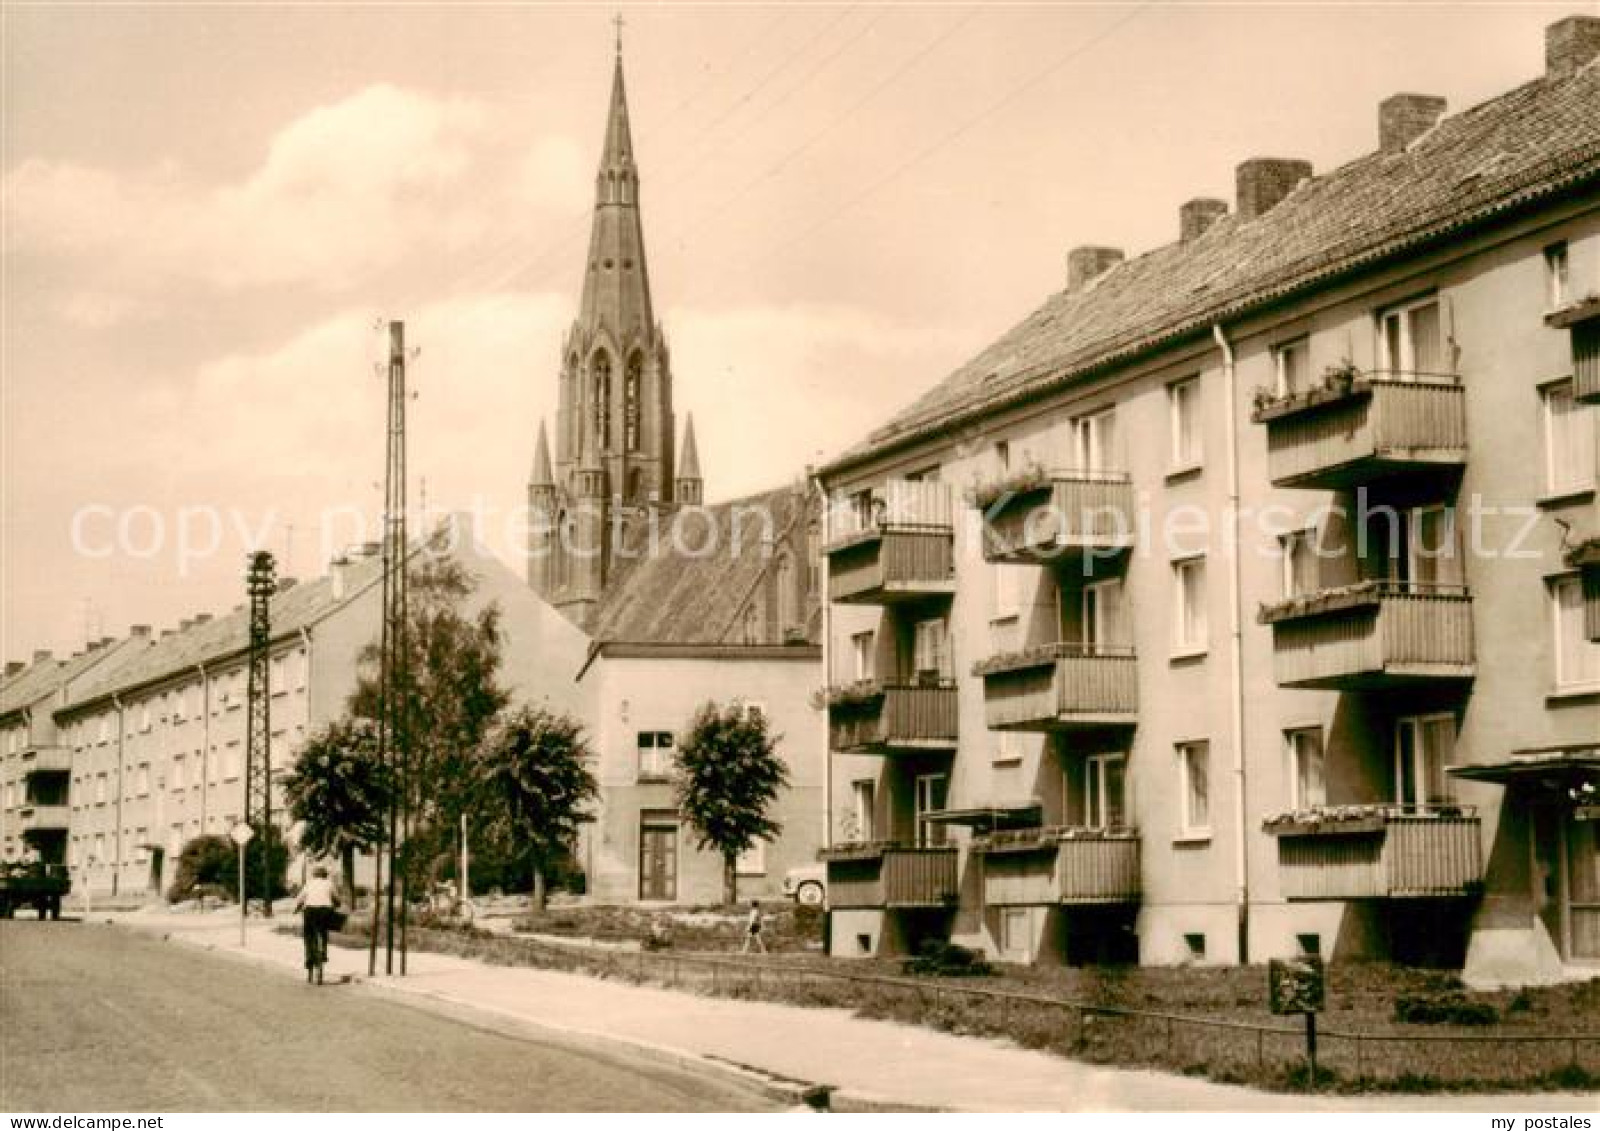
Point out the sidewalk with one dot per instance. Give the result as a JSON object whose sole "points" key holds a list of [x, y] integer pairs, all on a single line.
{"points": [[869, 1063]]}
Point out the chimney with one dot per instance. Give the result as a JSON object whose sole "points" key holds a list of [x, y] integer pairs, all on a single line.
{"points": [[1570, 44], [40, 655], [104, 640], [371, 549], [1086, 263], [287, 583], [1403, 118], [13, 667], [139, 630], [202, 618], [185, 624], [1195, 216], [93, 646], [1264, 181], [166, 632]]}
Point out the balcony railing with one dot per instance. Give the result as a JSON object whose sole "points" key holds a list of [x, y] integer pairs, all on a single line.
{"points": [[899, 547], [1373, 634], [1083, 517], [890, 876], [1060, 687], [1582, 318], [1065, 865], [874, 718], [47, 760], [1346, 433], [1379, 852], [43, 818]]}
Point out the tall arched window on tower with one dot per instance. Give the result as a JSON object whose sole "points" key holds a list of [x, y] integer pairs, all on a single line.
{"points": [[788, 596], [630, 402], [602, 400]]}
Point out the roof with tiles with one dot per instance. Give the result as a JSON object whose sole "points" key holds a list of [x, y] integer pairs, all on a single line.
{"points": [[679, 597], [1533, 143], [162, 658], [47, 677]]}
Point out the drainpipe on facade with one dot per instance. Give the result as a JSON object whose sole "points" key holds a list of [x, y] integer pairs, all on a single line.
{"points": [[827, 666], [1241, 861], [116, 868]]}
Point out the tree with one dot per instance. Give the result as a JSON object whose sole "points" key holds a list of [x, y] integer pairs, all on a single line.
{"points": [[208, 860], [729, 774], [535, 784], [341, 792], [450, 694]]}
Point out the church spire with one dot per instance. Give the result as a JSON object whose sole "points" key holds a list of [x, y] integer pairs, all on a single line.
{"points": [[616, 289], [542, 475], [689, 488]]}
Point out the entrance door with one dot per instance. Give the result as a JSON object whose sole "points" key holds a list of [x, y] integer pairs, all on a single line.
{"points": [[1583, 888], [158, 858], [658, 860]]}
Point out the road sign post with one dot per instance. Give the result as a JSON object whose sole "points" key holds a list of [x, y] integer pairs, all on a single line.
{"points": [[1299, 985], [241, 834]]}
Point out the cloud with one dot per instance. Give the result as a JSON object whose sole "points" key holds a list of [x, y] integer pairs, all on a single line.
{"points": [[346, 190]]}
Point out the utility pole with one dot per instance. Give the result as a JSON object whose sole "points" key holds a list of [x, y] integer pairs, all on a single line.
{"points": [[394, 746], [260, 581]]}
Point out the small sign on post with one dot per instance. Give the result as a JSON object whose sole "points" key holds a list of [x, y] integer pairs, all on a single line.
{"points": [[1299, 985], [241, 835]]}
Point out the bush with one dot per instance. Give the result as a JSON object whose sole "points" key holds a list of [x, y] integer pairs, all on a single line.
{"points": [[1443, 1009], [937, 958], [210, 861]]}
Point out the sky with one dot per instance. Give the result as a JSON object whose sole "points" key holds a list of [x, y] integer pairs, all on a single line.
{"points": [[207, 211]]}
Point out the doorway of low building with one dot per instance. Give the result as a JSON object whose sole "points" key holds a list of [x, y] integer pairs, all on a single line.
{"points": [[1101, 936], [658, 857]]}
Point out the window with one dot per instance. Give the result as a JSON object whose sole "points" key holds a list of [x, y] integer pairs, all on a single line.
{"points": [[931, 651], [1196, 945], [1570, 445], [1007, 591], [1095, 438], [141, 780], [601, 401], [930, 798], [177, 772], [1183, 412], [1299, 562], [788, 595], [1014, 940], [1005, 775], [864, 794], [302, 666], [99, 849], [1189, 620], [754, 623], [862, 647], [230, 762], [1577, 657], [753, 860], [1423, 746], [1555, 276], [1104, 789], [1104, 616], [655, 755], [1308, 784], [1292, 366], [1002, 454], [1411, 340], [1194, 771], [630, 402], [279, 678], [1432, 548], [100, 789]]}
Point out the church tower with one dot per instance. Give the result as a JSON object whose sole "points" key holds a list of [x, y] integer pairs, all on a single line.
{"points": [[614, 428]]}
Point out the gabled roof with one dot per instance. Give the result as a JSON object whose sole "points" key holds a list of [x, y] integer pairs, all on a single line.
{"points": [[677, 596], [1529, 145], [47, 677], [290, 610]]}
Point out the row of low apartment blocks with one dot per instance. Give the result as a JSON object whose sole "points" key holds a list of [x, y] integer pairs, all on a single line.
{"points": [[1238, 602]]}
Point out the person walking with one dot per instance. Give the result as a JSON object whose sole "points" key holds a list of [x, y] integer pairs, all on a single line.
{"points": [[752, 930], [317, 903]]}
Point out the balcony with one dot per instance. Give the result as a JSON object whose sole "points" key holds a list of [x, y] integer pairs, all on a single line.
{"points": [[1585, 558], [1060, 687], [1346, 433], [1378, 852], [901, 547], [1060, 866], [47, 760], [891, 876], [43, 818], [875, 718], [1082, 518], [1582, 318], [1374, 634]]}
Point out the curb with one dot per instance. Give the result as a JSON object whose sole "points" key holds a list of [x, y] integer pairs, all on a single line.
{"points": [[798, 1094]]}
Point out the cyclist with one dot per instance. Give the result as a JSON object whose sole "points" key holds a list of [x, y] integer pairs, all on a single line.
{"points": [[318, 902]]}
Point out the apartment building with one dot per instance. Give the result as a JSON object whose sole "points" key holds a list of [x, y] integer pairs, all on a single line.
{"points": [[144, 738], [1242, 601]]}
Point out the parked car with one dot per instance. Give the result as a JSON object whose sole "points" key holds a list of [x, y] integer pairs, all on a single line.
{"points": [[807, 884]]}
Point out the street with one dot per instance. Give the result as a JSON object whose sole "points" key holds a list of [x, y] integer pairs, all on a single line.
{"points": [[101, 1019]]}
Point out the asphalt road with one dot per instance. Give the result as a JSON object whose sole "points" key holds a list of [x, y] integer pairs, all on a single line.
{"points": [[93, 1018]]}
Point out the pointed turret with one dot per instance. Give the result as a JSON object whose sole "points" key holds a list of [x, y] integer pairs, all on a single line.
{"points": [[689, 490], [616, 289], [542, 475]]}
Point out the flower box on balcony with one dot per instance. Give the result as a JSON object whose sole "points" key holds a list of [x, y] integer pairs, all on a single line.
{"points": [[1337, 385], [855, 850], [1024, 481], [861, 693], [1045, 837], [1585, 309], [1351, 820], [1039, 656], [1361, 595]]}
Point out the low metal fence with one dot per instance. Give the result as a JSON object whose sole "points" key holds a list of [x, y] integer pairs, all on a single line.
{"points": [[1224, 1049]]}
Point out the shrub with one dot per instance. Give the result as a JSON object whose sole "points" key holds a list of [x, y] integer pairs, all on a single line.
{"points": [[937, 958], [211, 861], [1449, 1008]]}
